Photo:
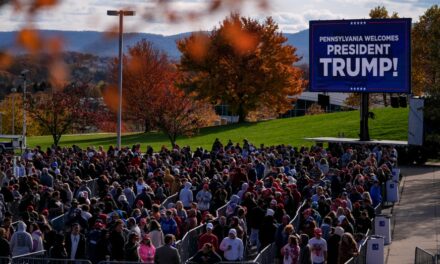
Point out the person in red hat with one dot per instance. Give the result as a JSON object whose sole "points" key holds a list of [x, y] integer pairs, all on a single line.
{"points": [[318, 246]]}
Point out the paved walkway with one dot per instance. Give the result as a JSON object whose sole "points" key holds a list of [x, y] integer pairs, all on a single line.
{"points": [[416, 217]]}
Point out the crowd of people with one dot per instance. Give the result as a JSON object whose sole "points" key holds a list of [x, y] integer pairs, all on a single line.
{"points": [[122, 218]]}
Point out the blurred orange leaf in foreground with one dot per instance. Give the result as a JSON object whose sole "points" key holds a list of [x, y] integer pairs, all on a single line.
{"points": [[198, 46], [241, 40], [111, 96], [5, 61], [29, 39]]}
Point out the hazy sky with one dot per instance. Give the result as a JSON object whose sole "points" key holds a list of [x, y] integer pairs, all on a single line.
{"points": [[291, 15]]}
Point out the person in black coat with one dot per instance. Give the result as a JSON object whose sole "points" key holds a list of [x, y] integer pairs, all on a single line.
{"points": [[4, 245], [103, 246], [268, 229], [131, 248], [206, 255], [117, 241], [145, 198], [58, 251], [75, 238], [333, 245]]}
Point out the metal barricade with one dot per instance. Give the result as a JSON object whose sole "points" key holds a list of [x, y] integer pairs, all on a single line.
{"points": [[58, 223], [49, 261], [170, 199], [296, 221], [117, 262], [267, 255], [93, 186], [226, 262], [221, 211], [424, 257], [188, 245], [362, 257], [34, 255]]}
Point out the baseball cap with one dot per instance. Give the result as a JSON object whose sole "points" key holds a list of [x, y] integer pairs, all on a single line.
{"points": [[270, 212], [339, 231], [318, 232], [209, 226], [232, 231]]}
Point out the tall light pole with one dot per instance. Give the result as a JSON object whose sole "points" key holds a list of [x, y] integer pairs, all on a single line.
{"points": [[23, 74], [13, 90], [121, 14]]}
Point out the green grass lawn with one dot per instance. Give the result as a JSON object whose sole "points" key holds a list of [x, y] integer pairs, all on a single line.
{"points": [[390, 123]]}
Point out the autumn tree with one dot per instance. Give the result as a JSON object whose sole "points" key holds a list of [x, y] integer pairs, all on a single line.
{"points": [[242, 63], [144, 73], [353, 100], [380, 12], [180, 114], [61, 110], [426, 53], [12, 107]]}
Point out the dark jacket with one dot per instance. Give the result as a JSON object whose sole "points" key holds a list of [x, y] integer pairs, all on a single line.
{"points": [[117, 245], [206, 258], [58, 251], [333, 249], [305, 256], [267, 231], [131, 252], [80, 251], [4, 248], [166, 255]]}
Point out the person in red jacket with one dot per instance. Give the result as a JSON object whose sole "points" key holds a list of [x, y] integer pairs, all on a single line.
{"points": [[208, 237]]}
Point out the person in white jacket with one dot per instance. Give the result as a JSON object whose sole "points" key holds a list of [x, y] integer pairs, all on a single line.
{"points": [[232, 246], [37, 238], [21, 241], [186, 195]]}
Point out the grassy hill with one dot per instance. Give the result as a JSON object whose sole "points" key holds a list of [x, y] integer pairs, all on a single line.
{"points": [[390, 123]]}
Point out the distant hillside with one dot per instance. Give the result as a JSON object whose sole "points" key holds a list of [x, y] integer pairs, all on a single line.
{"points": [[100, 44]]}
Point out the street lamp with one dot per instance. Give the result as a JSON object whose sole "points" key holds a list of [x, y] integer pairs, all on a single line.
{"points": [[13, 90], [121, 14], [23, 75]]}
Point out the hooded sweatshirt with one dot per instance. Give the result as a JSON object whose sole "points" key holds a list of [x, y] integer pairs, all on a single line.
{"points": [[232, 205], [37, 241], [186, 195], [21, 241]]}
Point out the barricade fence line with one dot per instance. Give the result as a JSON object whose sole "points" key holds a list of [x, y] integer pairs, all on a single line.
{"points": [[170, 199], [37, 254], [188, 245], [424, 257], [119, 262], [49, 261], [93, 186]]}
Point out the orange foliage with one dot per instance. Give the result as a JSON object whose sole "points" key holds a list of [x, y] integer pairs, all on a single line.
{"points": [[5, 60], [198, 46], [38, 4], [146, 71], [111, 96], [29, 39], [248, 65], [241, 39], [58, 74], [315, 109]]}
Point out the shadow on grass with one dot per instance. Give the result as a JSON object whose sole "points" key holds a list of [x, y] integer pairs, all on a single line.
{"points": [[151, 137], [126, 140]]}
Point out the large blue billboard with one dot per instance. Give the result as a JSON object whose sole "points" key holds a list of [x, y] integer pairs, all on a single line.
{"points": [[362, 55]]}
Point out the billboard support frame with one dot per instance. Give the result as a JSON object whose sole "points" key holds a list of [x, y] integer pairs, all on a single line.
{"points": [[364, 109]]}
